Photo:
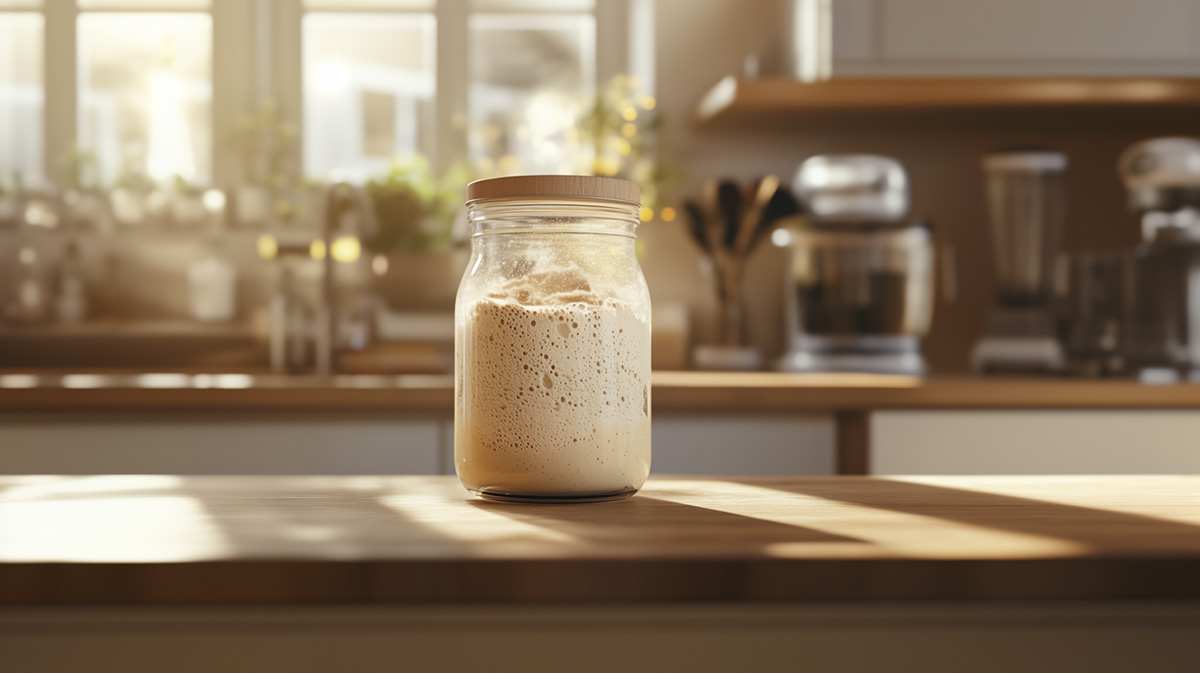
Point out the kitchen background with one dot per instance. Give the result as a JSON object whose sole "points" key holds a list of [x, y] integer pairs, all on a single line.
{"points": [[166, 169], [118, 117]]}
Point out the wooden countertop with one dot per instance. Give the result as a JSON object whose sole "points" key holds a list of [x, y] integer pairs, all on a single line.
{"points": [[683, 391], [357, 540]]}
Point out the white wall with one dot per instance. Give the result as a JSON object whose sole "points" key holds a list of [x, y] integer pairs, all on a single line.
{"points": [[697, 43]]}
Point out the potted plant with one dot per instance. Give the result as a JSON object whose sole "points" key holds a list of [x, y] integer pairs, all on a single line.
{"points": [[133, 197], [84, 204], [266, 142], [9, 200], [187, 206], [415, 266], [620, 130]]}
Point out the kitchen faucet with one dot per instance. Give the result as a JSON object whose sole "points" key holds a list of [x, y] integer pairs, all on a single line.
{"points": [[337, 197]]}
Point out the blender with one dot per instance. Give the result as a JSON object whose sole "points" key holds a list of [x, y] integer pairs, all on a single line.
{"points": [[1025, 215]]}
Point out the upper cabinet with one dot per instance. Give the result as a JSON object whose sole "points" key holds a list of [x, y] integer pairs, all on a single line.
{"points": [[863, 55], [1035, 38]]}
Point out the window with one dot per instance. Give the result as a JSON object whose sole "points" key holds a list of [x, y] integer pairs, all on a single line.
{"points": [[531, 77], [145, 95], [369, 86], [143, 100], [21, 95]]}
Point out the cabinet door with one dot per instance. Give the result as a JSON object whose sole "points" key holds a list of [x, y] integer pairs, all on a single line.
{"points": [[1035, 442], [742, 444], [218, 444], [1016, 37]]}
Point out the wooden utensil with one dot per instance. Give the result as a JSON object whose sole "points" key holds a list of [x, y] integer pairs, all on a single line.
{"points": [[781, 205], [729, 204], [763, 193], [697, 225]]}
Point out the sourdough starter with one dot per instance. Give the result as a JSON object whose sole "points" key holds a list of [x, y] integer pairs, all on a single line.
{"points": [[554, 387]]}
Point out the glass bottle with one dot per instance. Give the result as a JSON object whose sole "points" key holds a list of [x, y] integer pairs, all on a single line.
{"points": [[552, 342], [212, 286], [71, 304]]}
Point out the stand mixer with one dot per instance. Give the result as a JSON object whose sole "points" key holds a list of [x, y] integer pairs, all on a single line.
{"points": [[859, 286]]}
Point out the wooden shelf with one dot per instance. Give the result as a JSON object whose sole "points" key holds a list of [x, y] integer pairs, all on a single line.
{"points": [[33, 390], [747, 99]]}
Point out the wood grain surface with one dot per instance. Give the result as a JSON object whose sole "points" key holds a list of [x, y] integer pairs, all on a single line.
{"points": [[747, 99], [198, 540], [673, 391], [567, 186]]}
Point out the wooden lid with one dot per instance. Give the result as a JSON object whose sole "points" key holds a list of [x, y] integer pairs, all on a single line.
{"points": [[564, 186]]}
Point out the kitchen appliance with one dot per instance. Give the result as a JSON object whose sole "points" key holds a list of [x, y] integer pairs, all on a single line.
{"points": [[1162, 176], [859, 285], [1025, 215], [1095, 311]]}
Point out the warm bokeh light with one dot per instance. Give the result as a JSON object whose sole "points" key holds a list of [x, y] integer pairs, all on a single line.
{"points": [[646, 214], [82, 381], [267, 246], [628, 130], [317, 250], [214, 200], [346, 249], [667, 214], [18, 381], [379, 265]]}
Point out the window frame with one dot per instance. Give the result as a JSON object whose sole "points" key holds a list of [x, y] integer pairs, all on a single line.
{"points": [[38, 11], [268, 35]]}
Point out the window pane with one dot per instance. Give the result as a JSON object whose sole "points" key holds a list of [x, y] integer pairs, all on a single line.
{"points": [[20, 96], [531, 76], [533, 5], [369, 89], [145, 95], [144, 4], [343, 5]]}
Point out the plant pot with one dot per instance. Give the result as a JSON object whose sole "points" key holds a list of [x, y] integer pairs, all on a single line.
{"points": [[252, 205], [187, 210], [419, 281]]}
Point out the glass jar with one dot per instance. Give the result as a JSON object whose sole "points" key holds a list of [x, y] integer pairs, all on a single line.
{"points": [[552, 342]]}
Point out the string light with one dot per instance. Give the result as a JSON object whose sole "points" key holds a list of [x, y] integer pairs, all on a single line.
{"points": [[346, 249], [268, 247], [379, 265]]}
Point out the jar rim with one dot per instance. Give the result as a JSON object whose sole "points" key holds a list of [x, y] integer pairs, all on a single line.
{"points": [[553, 215]]}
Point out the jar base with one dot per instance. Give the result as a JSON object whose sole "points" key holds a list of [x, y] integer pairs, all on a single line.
{"points": [[497, 495]]}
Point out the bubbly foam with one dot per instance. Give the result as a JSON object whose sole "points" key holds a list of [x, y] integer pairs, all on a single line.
{"points": [[555, 391]]}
